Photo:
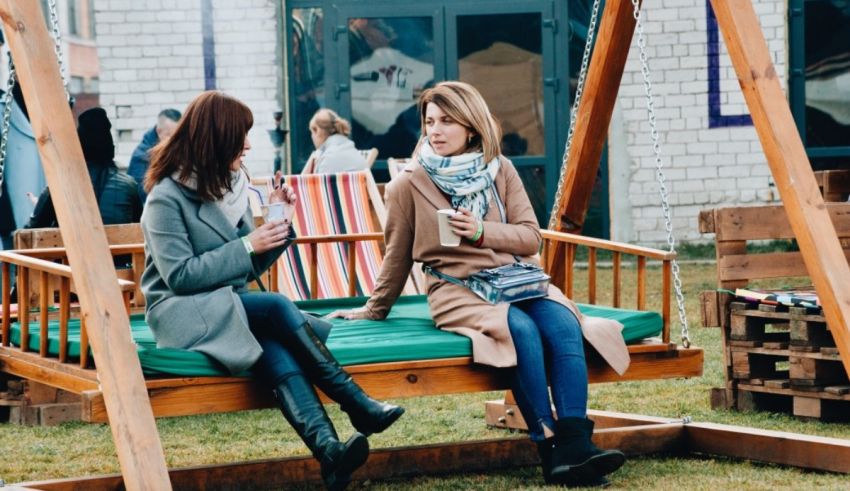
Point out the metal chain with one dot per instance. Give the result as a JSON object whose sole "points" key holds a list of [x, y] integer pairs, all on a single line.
{"points": [[7, 114], [659, 172], [57, 44], [585, 62]]}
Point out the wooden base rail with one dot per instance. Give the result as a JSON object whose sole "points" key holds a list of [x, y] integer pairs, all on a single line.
{"points": [[633, 434]]}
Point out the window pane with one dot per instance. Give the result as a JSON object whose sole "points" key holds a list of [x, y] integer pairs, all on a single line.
{"points": [[502, 56], [392, 61], [827, 48], [308, 77]]}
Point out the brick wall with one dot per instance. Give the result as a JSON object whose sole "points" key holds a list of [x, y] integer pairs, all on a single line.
{"points": [[152, 57], [706, 163]]}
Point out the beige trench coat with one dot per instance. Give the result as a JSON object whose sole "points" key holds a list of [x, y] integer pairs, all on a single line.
{"points": [[411, 235]]}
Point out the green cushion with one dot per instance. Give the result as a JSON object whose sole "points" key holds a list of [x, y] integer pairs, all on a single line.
{"points": [[407, 334]]}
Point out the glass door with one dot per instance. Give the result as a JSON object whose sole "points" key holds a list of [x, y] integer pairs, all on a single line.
{"points": [[507, 54], [384, 61]]}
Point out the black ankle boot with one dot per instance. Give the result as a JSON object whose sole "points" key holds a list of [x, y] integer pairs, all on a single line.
{"points": [[367, 415], [545, 449], [301, 407], [576, 461]]}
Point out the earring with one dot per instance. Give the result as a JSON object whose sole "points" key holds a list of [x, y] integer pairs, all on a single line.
{"points": [[469, 138]]}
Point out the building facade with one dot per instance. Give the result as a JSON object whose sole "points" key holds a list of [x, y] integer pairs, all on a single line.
{"points": [[369, 60]]}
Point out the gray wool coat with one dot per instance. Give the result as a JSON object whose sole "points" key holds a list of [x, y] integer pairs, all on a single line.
{"points": [[195, 266]]}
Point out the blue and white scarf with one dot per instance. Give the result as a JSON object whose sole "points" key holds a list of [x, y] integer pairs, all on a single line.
{"points": [[466, 178]]}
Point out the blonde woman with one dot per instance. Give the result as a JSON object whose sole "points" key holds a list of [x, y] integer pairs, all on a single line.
{"points": [[335, 152], [458, 164]]}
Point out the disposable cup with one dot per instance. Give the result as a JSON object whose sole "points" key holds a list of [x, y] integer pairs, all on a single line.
{"points": [[273, 212], [447, 237]]}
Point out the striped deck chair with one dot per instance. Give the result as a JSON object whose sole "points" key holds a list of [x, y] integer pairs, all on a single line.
{"points": [[370, 154], [333, 204]]}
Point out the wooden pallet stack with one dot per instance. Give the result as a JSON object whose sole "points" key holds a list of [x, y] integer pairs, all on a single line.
{"points": [[784, 359], [777, 358]]}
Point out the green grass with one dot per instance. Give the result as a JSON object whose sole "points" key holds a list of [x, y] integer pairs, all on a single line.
{"points": [[78, 449]]}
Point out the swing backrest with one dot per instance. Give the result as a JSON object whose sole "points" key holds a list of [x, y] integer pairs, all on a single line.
{"points": [[333, 205]]}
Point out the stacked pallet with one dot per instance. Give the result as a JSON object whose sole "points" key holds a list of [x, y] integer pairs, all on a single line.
{"points": [[784, 359], [777, 358]]}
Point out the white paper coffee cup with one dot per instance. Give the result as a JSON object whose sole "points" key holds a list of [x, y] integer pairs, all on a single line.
{"points": [[447, 237], [272, 212]]}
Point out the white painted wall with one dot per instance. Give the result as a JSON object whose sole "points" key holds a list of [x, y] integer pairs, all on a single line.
{"points": [[151, 56]]}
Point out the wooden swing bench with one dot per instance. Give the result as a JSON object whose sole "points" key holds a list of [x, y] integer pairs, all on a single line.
{"points": [[66, 365]]}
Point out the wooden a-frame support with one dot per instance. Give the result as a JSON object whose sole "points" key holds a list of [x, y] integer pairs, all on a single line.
{"points": [[118, 369], [786, 155], [131, 419]]}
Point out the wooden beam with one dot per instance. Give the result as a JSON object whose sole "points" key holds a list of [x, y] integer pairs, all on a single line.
{"points": [[789, 164], [178, 397], [131, 418], [778, 447], [594, 116], [384, 464]]}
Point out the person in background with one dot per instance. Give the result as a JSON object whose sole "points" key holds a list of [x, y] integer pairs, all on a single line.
{"points": [[459, 164], [23, 175], [116, 193], [166, 122], [335, 152], [201, 250]]}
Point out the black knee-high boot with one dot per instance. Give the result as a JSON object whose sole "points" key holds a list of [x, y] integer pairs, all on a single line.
{"points": [[367, 415], [575, 459], [301, 407]]}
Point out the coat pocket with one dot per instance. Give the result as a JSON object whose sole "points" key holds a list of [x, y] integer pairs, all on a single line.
{"points": [[178, 322]]}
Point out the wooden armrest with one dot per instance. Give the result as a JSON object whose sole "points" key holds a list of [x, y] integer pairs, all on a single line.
{"points": [[36, 264], [608, 245], [60, 252]]}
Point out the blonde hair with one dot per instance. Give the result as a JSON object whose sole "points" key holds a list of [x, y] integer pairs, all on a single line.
{"points": [[331, 122], [464, 104]]}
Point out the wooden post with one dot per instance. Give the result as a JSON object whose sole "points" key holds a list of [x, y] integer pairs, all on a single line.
{"points": [[130, 415], [789, 164], [594, 116]]}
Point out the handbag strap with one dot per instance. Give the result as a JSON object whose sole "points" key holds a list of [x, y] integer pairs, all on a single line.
{"points": [[443, 276]]}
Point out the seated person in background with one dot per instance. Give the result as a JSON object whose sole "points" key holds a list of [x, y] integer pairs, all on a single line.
{"points": [[116, 193], [334, 151], [166, 121]]}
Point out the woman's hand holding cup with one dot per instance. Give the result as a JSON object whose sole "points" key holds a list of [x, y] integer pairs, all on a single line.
{"points": [[269, 235], [278, 217], [463, 223]]}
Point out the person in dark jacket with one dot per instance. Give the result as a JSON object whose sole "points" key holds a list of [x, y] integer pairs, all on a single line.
{"points": [[116, 193], [166, 122]]}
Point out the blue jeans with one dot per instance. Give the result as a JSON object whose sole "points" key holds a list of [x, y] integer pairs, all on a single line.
{"points": [[270, 315], [549, 347]]}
